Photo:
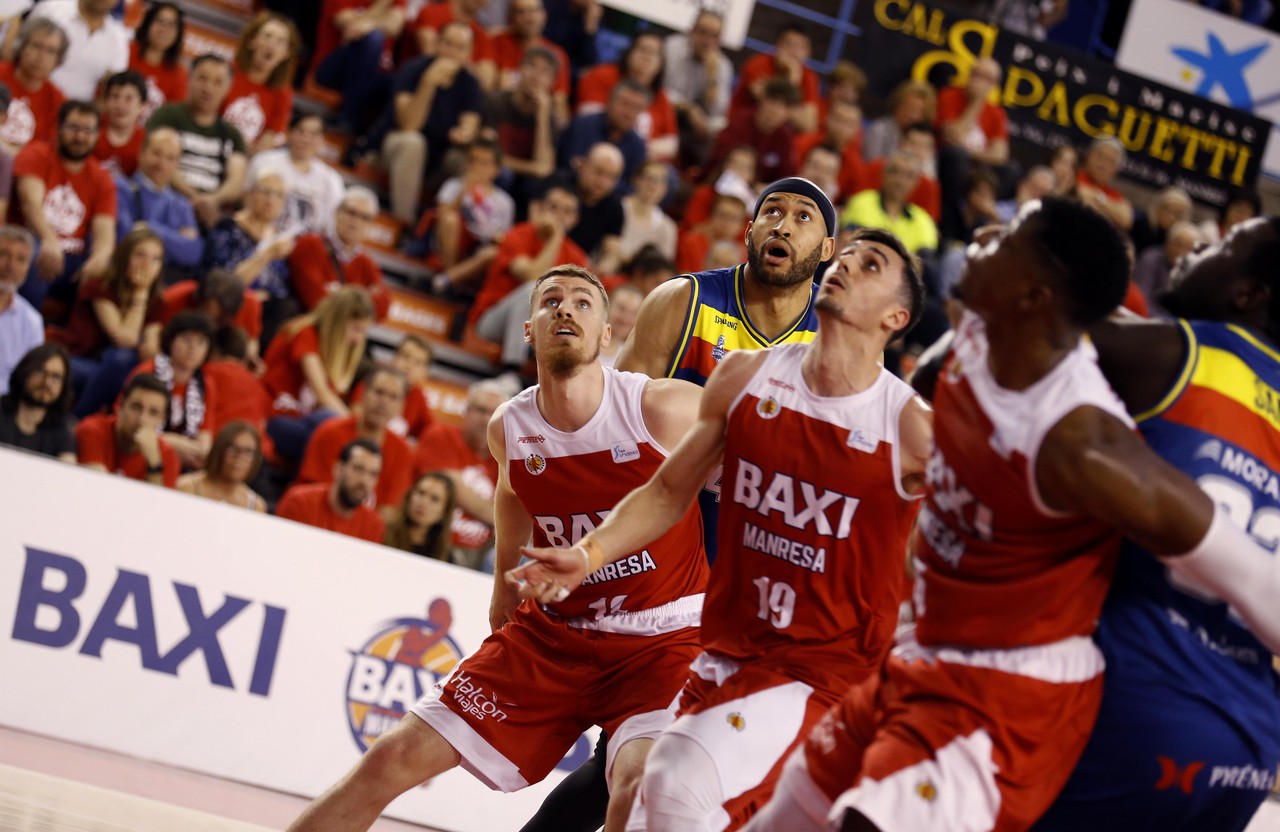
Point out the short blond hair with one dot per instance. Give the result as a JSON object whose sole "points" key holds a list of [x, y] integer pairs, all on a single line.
{"points": [[571, 270]]}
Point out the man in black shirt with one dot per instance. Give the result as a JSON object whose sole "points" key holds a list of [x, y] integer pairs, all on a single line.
{"points": [[599, 227], [33, 414]]}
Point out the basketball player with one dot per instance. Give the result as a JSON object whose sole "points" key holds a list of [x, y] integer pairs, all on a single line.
{"points": [[823, 451], [613, 653], [1188, 737], [685, 328], [975, 723]]}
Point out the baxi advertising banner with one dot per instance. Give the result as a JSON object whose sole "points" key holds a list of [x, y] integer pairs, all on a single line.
{"points": [[1210, 55], [212, 638], [1054, 96]]}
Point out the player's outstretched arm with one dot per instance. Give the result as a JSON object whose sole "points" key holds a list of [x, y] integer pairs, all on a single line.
{"points": [[512, 527], [644, 514], [1092, 463], [656, 335]]}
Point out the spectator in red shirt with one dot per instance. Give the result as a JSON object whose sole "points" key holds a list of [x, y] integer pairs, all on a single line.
{"points": [[435, 16], [156, 53], [353, 52], [790, 51], [735, 175], [413, 359], [234, 461], [423, 523], [842, 133], [972, 130], [224, 299], [120, 139], [728, 224], [918, 142], [115, 322], [1095, 182], [642, 63], [531, 248], [184, 347], [526, 23], [242, 396], [320, 264], [128, 443], [311, 365], [383, 402], [261, 97], [463, 452], [339, 506], [33, 112], [767, 129], [68, 201]]}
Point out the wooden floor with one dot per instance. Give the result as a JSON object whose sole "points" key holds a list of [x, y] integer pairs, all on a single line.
{"points": [[53, 786]]}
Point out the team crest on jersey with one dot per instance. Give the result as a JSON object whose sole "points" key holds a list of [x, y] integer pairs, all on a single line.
{"points": [[768, 408], [737, 721], [718, 351], [394, 668], [535, 464], [927, 790]]}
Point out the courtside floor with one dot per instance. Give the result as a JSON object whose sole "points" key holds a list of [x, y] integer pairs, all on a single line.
{"points": [[53, 786]]}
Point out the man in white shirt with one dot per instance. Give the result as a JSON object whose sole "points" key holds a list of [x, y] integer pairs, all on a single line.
{"points": [[99, 44], [21, 328], [313, 190], [698, 79]]}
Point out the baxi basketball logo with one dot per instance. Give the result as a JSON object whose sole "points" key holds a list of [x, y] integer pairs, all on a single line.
{"points": [[535, 464], [403, 660]]}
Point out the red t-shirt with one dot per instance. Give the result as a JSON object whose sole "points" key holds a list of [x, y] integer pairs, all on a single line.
{"points": [[255, 109], [763, 66], [182, 295], [927, 192], [438, 15], [413, 420], [774, 151], [314, 275], [992, 120], [309, 504], [508, 52], [33, 113], [165, 84], [71, 200], [698, 209], [240, 396], [329, 36], [286, 383], [122, 159], [850, 159], [659, 121], [443, 448], [521, 241], [96, 443], [327, 443], [83, 335]]}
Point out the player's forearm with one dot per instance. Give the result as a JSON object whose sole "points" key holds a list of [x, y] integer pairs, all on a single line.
{"points": [[642, 517]]}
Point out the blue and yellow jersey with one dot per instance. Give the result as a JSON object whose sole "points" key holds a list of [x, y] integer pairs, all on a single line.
{"points": [[1220, 425], [716, 323]]}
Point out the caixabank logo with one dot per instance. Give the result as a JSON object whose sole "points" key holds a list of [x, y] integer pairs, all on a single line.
{"points": [[399, 663]]}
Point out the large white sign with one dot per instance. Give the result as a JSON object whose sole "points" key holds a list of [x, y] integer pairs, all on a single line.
{"points": [[175, 629], [679, 15], [1208, 54]]}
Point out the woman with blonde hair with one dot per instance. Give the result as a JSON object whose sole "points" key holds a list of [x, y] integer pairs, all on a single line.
{"points": [[115, 322], [234, 459], [911, 102], [311, 365], [261, 96], [423, 524]]}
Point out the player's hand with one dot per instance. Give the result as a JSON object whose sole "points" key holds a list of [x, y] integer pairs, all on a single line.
{"points": [[503, 605], [551, 576]]}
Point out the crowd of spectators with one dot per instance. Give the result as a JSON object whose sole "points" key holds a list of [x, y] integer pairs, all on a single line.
{"points": [[184, 275]]}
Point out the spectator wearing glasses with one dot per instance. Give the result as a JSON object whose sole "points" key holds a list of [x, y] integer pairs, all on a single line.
{"points": [[33, 112], [322, 263], [98, 44], [699, 80], [234, 460], [312, 188], [33, 413]]}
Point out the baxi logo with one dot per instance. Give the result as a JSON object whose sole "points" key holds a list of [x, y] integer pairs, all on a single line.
{"points": [[402, 660]]}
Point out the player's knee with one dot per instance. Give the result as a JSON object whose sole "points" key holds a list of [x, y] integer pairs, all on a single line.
{"points": [[406, 756]]}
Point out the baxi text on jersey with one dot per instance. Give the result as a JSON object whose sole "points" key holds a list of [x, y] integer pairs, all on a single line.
{"points": [[802, 510], [474, 700], [782, 548]]}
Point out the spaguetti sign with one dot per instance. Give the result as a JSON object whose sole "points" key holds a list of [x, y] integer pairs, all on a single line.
{"points": [[1055, 96]]}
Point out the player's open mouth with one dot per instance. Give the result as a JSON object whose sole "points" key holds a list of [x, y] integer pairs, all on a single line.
{"points": [[776, 252], [564, 330]]}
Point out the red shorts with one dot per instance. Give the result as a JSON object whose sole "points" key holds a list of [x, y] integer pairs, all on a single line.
{"points": [[935, 745], [517, 706], [748, 719]]}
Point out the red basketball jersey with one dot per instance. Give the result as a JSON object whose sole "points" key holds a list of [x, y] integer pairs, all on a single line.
{"points": [[996, 568], [569, 482], [813, 527]]}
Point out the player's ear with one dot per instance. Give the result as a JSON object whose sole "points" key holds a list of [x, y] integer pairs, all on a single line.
{"points": [[1248, 295], [746, 235], [528, 332], [828, 248]]}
